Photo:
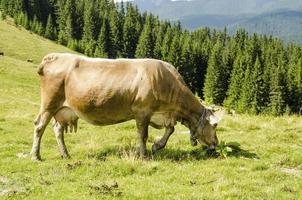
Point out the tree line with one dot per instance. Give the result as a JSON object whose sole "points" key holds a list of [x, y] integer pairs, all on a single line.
{"points": [[255, 74]]}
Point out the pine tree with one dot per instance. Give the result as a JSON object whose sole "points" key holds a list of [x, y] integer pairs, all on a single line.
{"points": [[131, 32], [103, 44], [234, 89], [50, 30], [166, 45], [293, 79], [67, 11], [90, 28], [40, 29], [186, 67], [89, 48], [174, 55], [116, 21], [277, 84], [259, 97], [247, 93], [73, 45], [159, 40], [214, 89], [145, 44]]}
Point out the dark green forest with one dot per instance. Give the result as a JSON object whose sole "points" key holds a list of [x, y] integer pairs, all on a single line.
{"points": [[254, 74]]}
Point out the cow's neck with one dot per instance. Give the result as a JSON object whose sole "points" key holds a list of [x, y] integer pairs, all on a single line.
{"points": [[191, 110]]}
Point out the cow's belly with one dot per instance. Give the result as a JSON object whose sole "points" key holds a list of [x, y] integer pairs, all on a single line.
{"points": [[100, 115], [100, 107], [163, 119]]}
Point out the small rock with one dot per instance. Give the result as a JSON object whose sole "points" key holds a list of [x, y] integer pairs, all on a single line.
{"points": [[21, 155], [293, 171], [3, 180]]}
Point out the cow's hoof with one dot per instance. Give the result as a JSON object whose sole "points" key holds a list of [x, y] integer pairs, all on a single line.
{"points": [[36, 158], [154, 148], [144, 155], [193, 142]]}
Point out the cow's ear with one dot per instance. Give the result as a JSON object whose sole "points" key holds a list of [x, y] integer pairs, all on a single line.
{"points": [[214, 120], [216, 117]]}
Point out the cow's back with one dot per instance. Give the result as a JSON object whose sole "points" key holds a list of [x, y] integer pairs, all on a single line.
{"points": [[108, 91]]}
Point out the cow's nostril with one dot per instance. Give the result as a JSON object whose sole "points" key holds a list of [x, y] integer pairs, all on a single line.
{"points": [[214, 144], [212, 147]]}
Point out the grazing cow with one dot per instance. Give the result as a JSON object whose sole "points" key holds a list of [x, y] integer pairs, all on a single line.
{"points": [[107, 91]]}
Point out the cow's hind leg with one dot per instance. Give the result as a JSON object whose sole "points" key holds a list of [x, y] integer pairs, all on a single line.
{"points": [[163, 141], [142, 124], [40, 124], [59, 132]]}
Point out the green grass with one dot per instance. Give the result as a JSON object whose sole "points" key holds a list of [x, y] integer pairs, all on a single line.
{"points": [[103, 163]]}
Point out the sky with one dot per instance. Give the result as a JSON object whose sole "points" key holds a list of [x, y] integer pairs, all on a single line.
{"points": [[122, 0]]}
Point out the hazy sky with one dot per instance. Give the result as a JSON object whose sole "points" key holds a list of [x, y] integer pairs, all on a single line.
{"points": [[122, 0]]}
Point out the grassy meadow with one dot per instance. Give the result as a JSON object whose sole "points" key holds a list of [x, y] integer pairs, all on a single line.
{"points": [[104, 165]]}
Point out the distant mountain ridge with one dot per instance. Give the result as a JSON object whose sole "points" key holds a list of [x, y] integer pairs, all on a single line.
{"points": [[286, 24], [273, 17]]}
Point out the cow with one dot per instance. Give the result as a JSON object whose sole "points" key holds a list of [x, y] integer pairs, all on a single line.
{"points": [[110, 91]]}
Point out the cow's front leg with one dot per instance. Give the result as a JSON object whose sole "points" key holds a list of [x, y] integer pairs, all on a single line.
{"points": [[142, 124], [163, 141], [59, 132], [40, 125]]}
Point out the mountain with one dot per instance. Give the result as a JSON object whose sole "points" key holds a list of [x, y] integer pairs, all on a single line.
{"points": [[284, 24], [177, 9], [281, 18]]}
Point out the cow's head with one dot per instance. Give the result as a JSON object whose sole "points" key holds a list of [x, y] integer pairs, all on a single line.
{"points": [[205, 129]]}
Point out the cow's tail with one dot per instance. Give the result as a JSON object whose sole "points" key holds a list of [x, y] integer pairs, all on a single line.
{"points": [[47, 59]]}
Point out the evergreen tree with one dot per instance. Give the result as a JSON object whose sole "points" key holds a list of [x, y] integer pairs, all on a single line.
{"points": [[67, 16], [103, 44], [174, 55], [261, 88], [159, 40], [214, 89], [247, 93], [293, 79], [50, 30], [234, 89], [145, 44], [166, 45], [116, 21], [186, 67], [73, 45], [90, 28], [131, 32], [89, 48], [277, 84]]}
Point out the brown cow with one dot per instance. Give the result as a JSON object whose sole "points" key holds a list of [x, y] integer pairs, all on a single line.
{"points": [[107, 91]]}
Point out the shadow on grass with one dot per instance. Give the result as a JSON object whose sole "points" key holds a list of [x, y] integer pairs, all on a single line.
{"points": [[131, 152], [200, 154]]}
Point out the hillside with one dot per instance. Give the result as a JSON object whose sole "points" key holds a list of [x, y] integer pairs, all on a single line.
{"points": [[17, 43], [18, 78], [283, 24], [104, 165]]}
